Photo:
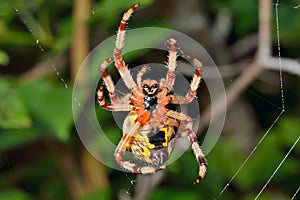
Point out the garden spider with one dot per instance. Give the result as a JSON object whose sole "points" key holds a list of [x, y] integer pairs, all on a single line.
{"points": [[149, 128]]}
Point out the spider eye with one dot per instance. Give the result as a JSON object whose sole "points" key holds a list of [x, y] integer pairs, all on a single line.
{"points": [[145, 86], [155, 85]]}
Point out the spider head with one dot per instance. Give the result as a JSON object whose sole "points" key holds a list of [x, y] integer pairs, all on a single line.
{"points": [[150, 87]]}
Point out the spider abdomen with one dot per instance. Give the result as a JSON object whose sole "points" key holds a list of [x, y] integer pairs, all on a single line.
{"points": [[158, 139], [153, 148]]}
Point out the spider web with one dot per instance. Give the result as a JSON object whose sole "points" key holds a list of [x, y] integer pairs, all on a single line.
{"points": [[282, 108], [32, 32]]}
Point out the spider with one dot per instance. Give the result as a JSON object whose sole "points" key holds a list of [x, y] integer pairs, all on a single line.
{"points": [[149, 128]]}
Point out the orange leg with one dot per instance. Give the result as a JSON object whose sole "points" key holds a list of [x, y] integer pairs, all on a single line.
{"points": [[119, 105], [119, 63], [194, 84], [171, 61], [108, 81], [140, 75], [187, 131]]}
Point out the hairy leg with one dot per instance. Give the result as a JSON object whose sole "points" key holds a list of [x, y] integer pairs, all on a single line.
{"points": [[194, 84], [171, 62], [187, 123], [119, 63]]}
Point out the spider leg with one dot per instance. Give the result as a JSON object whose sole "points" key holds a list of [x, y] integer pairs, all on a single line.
{"points": [[187, 126], [140, 75], [173, 122], [121, 148], [119, 63], [119, 105], [116, 104], [171, 61], [194, 84], [108, 81]]}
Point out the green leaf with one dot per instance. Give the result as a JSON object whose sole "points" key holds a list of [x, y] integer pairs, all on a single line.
{"points": [[15, 195], [10, 139], [13, 113], [50, 107], [4, 58]]}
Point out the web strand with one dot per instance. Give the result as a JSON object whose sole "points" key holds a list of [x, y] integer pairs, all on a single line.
{"points": [[282, 102], [288, 153], [264, 99], [282, 107], [295, 194], [251, 153], [57, 73], [279, 55]]}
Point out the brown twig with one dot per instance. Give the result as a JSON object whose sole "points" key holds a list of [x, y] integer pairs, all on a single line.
{"points": [[93, 172], [80, 37], [253, 70], [264, 31], [288, 65]]}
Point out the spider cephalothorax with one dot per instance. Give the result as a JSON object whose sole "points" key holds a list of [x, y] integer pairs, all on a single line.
{"points": [[149, 128]]}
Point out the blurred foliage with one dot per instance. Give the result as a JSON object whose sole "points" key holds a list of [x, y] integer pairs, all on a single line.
{"points": [[4, 58], [275, 146], [245, 21], [13, 112], [107, 13], [33, 111], [15, 194], [49, 106], [289, 26], [245, 14]]}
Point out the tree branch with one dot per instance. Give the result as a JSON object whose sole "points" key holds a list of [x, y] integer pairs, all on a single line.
{"points": [[253, 70], [264, 30], [288, 65], [80, 36]]}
